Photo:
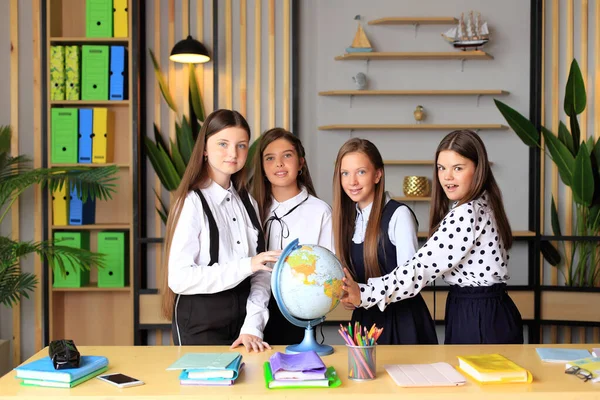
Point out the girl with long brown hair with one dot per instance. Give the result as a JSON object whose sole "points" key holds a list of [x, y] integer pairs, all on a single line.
{"points": [[468, 247], [216, 283], [373, 234], [286, 197]]}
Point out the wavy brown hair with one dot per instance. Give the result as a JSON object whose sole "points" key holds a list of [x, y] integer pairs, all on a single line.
{"points": [[469, 145], [196, 177], [344, 210], [261, 186]]}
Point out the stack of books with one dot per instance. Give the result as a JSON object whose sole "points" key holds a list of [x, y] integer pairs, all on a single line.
{"points": [[304, 369], [208, 369], [493, 368], [42, 373]]}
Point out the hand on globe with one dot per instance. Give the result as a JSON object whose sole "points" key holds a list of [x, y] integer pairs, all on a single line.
{"points": [[259, 261], [352, 290], [251, 342]]}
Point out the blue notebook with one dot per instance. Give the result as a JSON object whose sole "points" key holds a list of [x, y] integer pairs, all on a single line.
{"points": [[204, 361], [231, 371], [561, 355], [43, 369]]}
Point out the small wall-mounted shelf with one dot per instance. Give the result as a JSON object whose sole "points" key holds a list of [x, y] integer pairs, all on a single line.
{"points": [[89, 165], [413, 92], [378, 127], [414, 21], [95, 227], [99, 103], [84, 40], [408, 199], [94, 288], [408, 162], [418, 55]]}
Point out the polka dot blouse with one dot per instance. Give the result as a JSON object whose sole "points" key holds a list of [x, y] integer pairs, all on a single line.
{"points": [[466, 250]]}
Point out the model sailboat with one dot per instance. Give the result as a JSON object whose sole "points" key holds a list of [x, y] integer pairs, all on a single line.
{"points": [[361, 42], [471, 33]]}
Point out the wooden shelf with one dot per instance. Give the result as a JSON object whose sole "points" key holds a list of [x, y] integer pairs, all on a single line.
{"points": [[92, 287], [408, 199], [414, 20], [379, 127], [408, 162], [413, 92], [418, 55], [94, 227], [87, 40], [89, 165], [100, 103]]}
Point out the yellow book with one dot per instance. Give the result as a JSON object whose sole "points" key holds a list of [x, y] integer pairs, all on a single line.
{"points": [[120, 18], [60, 206], [493, 368], [102, 140]]}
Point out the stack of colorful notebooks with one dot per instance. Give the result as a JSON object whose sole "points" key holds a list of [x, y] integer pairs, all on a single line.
{"points": [[208, 369], [304, 369], [42, 373]]}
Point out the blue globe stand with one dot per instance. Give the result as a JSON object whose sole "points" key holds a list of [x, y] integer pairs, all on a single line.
{"points": [[309, 343]]}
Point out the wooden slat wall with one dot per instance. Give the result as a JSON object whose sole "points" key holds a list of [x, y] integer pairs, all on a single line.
{"points": [[14, 148], [572, 16]]}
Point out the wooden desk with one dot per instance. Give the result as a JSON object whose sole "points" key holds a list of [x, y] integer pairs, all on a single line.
{"points": [[149, 363]]}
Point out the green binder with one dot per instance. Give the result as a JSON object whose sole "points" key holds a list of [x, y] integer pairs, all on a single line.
{"points": [[99, 18], [72, 72], [114, 246], [95, 71], [57, 72], [64, 136], [74, 277]]}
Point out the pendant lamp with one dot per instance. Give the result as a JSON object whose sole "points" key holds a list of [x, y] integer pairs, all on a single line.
{"points": [[189, 50]]}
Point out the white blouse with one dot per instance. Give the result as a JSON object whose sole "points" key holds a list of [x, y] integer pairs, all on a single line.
{"points": [[189, 272], [465, 250], [310, 222], [402, 230]]}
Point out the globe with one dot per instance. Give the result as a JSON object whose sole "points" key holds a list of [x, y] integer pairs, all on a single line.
{"points": [[307, 284]]}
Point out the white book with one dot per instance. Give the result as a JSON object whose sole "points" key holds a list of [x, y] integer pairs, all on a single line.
{"points": [[425, 375]]}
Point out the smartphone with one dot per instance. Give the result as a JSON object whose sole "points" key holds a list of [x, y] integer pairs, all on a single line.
{"points": [[120, 380]]}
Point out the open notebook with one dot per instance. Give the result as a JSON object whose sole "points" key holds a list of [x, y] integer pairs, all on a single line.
{"points": [[420, 375]]}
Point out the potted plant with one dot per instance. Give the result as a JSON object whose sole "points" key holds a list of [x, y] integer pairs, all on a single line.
{"points": [[16, 176]]}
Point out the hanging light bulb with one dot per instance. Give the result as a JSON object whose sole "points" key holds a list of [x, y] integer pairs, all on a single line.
{"points": [[189, 50]]}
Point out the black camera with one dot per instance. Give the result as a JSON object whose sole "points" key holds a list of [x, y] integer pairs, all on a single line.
{"points": [[64, 354]]}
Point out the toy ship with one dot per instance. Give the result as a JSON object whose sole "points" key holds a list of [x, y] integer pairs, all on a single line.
{"points": [[468, 34], [360, 43]]}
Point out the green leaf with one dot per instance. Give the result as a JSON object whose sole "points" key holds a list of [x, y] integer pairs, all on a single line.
{"points": [[597, 153], [185, 140], [550, 253], [554, 219], [593, 220], [163, 211], [583, 177], [158, 138], [177, 160], [575, 98], [163, 166], [5, 135], [565, 137], [162, 84], [195, 95], [518, 123], [575, 133], [561, 156]]}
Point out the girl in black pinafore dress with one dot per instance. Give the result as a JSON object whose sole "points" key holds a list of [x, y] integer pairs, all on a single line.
{"points": [[359, 201]]}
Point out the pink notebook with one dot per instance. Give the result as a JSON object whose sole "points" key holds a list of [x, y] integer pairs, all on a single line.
{"points": [[424, 375]]}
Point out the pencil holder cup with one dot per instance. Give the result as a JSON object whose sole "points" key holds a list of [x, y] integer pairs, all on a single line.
{"points": [[361, 363], [416, 186]]}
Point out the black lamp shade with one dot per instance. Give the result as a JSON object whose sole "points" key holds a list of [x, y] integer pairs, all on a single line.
{"points": [[189, 50]]}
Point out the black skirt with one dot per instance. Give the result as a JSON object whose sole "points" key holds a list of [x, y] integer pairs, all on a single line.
{"points": [[482, 315], [279, 330], [404, 322]]}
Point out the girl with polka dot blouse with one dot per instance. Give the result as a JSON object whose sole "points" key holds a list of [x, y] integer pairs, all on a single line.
{"points": [[373, 235], [468, 248]]}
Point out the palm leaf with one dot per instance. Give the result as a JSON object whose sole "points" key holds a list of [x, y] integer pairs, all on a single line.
{"points": [[163, 165], [575, 97], [163, 211], [554, 219], [518, 123], [565, 137], [195, 95], [561, 156], [14, 284], [5, 135], [177, 159], [185, 140], [575, 133], [162, 84], [583, 177]]}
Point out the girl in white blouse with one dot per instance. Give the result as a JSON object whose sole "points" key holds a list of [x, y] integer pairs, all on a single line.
{"points": [[373, 234], [468, 248], [290, 210], [216, 284]]}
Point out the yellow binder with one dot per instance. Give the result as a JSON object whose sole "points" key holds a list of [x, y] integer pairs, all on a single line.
{"points": [[120, 18], [102, 139], [60, 206]]}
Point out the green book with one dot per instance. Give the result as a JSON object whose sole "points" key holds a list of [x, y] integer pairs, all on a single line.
{"points": [[45, 383], [332, 381]]}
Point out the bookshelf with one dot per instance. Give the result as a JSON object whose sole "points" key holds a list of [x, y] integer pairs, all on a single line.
{"points": [[414, 21], [93, 315]]}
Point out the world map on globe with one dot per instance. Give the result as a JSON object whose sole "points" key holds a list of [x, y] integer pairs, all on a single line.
{"points": [[310, 282]]}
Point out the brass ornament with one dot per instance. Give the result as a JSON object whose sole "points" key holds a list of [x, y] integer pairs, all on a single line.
{"points": [[416, 186]]}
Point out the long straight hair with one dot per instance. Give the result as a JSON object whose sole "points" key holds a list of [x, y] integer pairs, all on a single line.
{"points": [[469, 145], [344, 210], [261, 186], [196, 177]]}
